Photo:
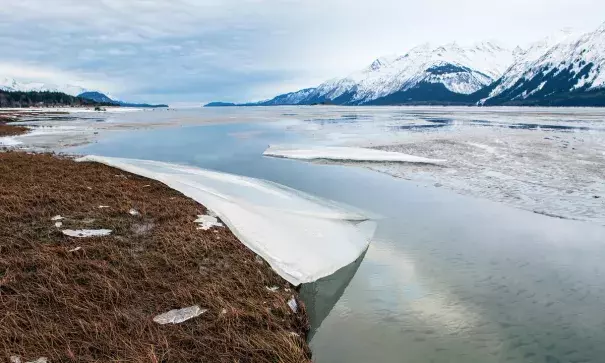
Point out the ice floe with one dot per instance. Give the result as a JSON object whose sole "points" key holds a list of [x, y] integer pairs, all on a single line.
{"points": [[178, 316], [302, 237], [84, 233], [343, 153]]}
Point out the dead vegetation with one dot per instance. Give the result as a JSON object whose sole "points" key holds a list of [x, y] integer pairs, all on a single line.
{"points": [[10, 130], [97, 303]]}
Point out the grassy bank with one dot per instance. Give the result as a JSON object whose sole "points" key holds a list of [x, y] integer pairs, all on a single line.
{"points": [[94, 299], [10, 130]]}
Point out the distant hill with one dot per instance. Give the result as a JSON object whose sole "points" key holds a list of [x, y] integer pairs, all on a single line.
{"points": [[96, 96], [44, 99], [220, 104], [102, 98]]}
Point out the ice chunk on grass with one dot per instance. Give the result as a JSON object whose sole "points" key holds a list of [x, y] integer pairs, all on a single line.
{"points": [[293, 304], [84, 233], [178, 316], [207, 221]]}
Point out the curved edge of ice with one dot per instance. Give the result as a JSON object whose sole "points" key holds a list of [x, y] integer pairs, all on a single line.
{"points": [[344, 153], [302, 237]]}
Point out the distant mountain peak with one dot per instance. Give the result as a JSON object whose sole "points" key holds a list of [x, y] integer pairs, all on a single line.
{"points": [[12, 84]]}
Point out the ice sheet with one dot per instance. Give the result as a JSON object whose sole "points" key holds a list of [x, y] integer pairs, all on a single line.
{"points": [[344, 153], [9, 141], [303, 238]]}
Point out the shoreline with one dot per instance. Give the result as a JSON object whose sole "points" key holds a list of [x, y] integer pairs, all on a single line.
{"points": [[8, 130], [67, 298]]}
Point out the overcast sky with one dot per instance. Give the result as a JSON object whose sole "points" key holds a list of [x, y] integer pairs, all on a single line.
{"points": [[202, 50]]}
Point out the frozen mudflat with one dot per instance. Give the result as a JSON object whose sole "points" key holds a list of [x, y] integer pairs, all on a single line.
{"points": [[302, 237], [549, 161]]}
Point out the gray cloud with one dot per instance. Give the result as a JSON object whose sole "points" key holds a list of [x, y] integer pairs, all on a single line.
{"points": [[201, 50]]}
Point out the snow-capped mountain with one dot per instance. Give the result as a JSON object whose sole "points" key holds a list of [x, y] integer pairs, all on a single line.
{"points": [[564, 69], [11, 84], [451, 68]]}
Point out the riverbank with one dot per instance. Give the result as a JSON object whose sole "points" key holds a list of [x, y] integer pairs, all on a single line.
{"points": [[6, 129], [95, 299]]}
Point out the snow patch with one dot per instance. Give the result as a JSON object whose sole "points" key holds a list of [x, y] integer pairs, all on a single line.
{"points": [[84, 233], [207, 221], [344, 153], [487, 148], [302, 237]]}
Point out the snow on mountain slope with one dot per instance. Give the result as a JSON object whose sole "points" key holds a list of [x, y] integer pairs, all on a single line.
{"points": [[526, 58], [11, 84], [567, 71], [293, 98], [461, 70]]}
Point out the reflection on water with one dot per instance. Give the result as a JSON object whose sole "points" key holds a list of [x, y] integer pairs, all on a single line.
{"points": [[321, 296]]}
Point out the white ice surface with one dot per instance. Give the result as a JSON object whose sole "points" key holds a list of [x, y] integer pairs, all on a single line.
{"points": [[303, 238], [9, 141], [344, 153]]}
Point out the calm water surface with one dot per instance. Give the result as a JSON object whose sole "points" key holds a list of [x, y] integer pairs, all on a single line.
{"points": [[447, 279]]}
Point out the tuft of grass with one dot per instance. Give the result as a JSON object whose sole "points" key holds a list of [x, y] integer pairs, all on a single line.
{"points": [[97, 304]]}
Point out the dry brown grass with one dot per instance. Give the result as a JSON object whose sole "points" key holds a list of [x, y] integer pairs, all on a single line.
{"points": [[97, 304], [10, 130]]}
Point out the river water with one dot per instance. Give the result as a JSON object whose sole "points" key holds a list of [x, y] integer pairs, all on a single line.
{"points": [[448, 277]]}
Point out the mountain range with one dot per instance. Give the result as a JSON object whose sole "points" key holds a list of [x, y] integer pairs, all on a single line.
{"points": [[13, 85], [564, 69]]}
